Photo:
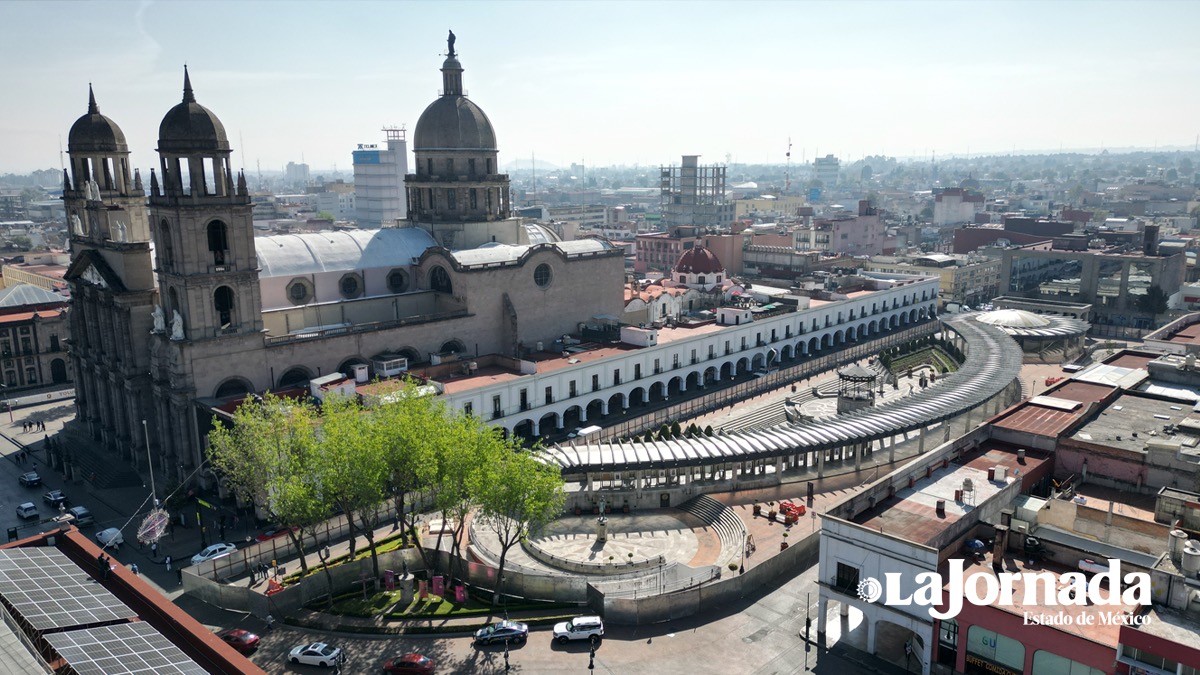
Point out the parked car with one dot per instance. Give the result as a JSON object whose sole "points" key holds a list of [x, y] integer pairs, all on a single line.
{"points": [[213, 552], [55, 497], [502, 631], [409, 664], [110, 537], [27, 510], [273, 532], [579, 628], [240, 639], [80, 516], [30, 479], [317, 654]]}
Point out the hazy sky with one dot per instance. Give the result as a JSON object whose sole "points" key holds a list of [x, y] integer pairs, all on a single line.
{"points": [[612, 82]]}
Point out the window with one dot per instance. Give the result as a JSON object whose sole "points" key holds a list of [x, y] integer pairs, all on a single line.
{"points": [[429, 166], [165, 249], [524, 399], [298, 291], [223, 303], [450, 167], [496, 410], [26, 346], [595, 383], [218, 244], [474, 198], [451, 200], [350, 285], [439, 280], [471, 171], [542, 275], [549, 395], [573, 392], [847, 578], [54, 343], [397, 281], [30, 376], [637, 371], [468, 409]]}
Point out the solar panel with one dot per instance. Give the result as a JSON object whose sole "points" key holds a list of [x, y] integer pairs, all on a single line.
{"points": [[50, 591], [120, 649]]}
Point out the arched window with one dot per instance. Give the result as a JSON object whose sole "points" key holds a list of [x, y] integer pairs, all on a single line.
{"points": [[452, 347], [166, 251], [542, 276], [218, 244], [700, 279], [173, 304], [439, 280], [223, 303], [397, 281]]}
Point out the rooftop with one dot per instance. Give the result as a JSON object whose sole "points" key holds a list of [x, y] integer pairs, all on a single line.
{"points": [[1133, 420], [1093, 628], [912, 513], [1056, 410], [1172, 625]]}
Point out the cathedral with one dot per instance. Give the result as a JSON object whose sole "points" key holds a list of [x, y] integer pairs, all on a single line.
{"points": [[178, 307]]}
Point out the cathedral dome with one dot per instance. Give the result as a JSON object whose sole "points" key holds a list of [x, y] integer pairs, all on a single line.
{"points": [[698, 260], [190, 127], [453, 122], [95, 133]]}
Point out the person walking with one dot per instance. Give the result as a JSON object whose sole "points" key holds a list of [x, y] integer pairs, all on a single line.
{"points": [[154, 551], [168, 561], [133, 568], [270, 623]]}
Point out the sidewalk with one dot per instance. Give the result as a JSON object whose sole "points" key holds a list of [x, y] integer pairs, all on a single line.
{"points": [[327, 623]]}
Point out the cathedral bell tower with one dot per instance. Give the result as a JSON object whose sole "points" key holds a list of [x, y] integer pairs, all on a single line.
{"points": [[111, 279], [202, 230]]}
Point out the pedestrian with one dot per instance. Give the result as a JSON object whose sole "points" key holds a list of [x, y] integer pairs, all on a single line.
{"points": [[179, 572], [168, 561], [270, 622], [154, 551], [133, 568]]}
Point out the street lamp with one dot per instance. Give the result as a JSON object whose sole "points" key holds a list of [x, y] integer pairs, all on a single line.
{"points": [[150, 464]]}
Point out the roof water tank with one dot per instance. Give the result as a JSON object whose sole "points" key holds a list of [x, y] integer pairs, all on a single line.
{"points": [[1002, 473], [360, 373], [1191, 560], [1175, 543]]}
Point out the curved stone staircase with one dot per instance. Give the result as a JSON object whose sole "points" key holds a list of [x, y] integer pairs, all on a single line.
{"points": [[723, 521]]}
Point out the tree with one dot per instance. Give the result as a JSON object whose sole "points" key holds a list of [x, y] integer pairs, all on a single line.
{"points": [[407, 429], [268, 455], [325, 215], [461, 455], [518, 494], [351, 468], [21, 242]]}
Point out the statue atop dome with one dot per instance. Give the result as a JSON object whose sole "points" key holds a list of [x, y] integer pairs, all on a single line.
{"points": [[450, 44]]}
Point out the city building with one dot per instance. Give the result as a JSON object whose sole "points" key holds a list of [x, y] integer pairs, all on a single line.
{"points": [[956, 206], [827, 170], [966, 280], [34, 334], [860, 232], [216, 313], [694, 195], [379, 195], [44, 270], [338, 199], [296, 174]]}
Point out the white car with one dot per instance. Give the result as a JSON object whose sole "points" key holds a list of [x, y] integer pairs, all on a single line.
{"points": [[579, 628], [213, 552], [27, 510], [110, 537], [317, 654]]}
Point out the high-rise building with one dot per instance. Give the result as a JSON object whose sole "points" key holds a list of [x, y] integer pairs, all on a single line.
{"points": [[379, 197], [825, 169], [694, 195], [297, 174]]}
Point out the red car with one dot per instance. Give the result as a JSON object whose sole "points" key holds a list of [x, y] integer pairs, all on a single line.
{"points": [[409, 664], [242, 640], [277, 531]]}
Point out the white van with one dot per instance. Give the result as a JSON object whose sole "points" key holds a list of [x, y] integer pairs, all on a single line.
{"points": [[584, 432], [579, 628]]}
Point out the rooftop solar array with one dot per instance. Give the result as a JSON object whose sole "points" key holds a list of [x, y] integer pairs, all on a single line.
{"points": [[50, 591], [120, 649]]}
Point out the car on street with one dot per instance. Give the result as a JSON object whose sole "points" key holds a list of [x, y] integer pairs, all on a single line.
{"points": [[80, 515], [30, 479], [110, 537], [55, 497], [579, 628], [27, 510], [273, 532], [240, 639], [409, 664], [502, 631], [213, 552], [317, 654]]}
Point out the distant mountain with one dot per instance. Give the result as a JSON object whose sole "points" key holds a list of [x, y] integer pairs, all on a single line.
{"points": [[525, 165]]}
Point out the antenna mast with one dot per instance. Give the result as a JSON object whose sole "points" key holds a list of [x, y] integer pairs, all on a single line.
{"points": [[787, 174]]}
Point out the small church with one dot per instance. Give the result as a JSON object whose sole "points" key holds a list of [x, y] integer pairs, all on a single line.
{"points": [[177, 306]]}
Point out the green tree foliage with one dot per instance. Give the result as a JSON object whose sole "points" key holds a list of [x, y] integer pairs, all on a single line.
{"points": [[518, 494], [269, 455]]}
